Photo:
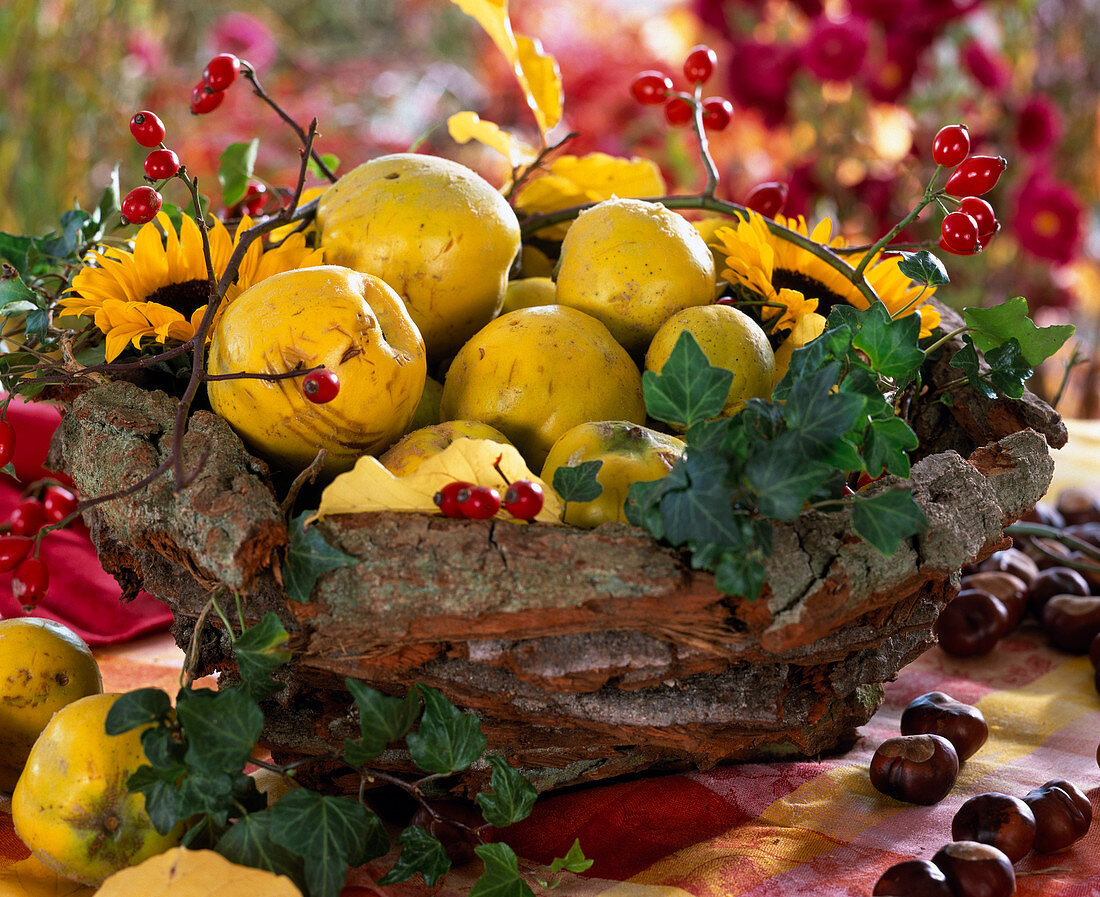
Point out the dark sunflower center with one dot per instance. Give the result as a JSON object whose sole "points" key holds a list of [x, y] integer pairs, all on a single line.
{"points": [[808, 287], [184, 297]]}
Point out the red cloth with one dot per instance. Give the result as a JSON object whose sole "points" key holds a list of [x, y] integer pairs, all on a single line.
{"points": [[81, 594]]}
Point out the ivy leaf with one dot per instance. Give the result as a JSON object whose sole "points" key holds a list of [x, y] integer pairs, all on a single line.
{"points": [[308, 557], [382, 719], [740, 573], [832, 346], [818, 413], [784, 475], [448, 740], [421, 852], [137, 708], [206, 793], [890, 344], [923, 267], [161, 794], [643, 505], [238, 160], [1008, 368], [260, 650], [578, 483], [329, 833], [887, 518], [501, 877], [330, 160], [222, 728], [248, 842], [688, 389], [12, 289], [573, 861], [17, 252], [697, 506], [990, 327], [886, 445], [512, 796], [967, 361]]}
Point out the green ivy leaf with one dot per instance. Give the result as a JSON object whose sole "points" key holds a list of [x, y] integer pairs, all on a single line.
{"points": [[573, 861], [1008, 368], [308, 557], [208, 793], [382, 719], [643, 506], [886, 446], [501, 877], [222, 728], [137, 708], [512, 796], [697, 505], [421, 852], [887, 518], [923, 267], [578, 483], [740, 573], [331, 161], [818, 413], [260, 650], [990, 327], [890, 344], [248, 842], [967, 361], [13, 290], [238, 160], [831, 347], [688, 389], [447, 740], [784, 475], [161, 794]]}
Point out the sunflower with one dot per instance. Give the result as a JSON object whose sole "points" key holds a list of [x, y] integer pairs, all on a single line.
{"points": [[159, 288], [779, 270]]}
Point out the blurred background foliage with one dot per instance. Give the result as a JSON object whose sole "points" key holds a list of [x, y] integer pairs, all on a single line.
{"points": [[838, 99]]}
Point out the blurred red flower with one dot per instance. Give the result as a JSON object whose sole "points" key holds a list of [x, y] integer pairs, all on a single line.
{"points": [[835, 50], [985, 66], [1048, 219], [760, 78], [1038, 125], [244, 36], [891, 69]]}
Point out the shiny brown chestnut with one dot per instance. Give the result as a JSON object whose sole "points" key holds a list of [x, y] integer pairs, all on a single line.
{"points": [[1012, 591], [971, 624], [1011, 560], [1043, 558], [918, 769], [1092, 577], [936, 713], [1063, 814], [999, 819], [973, 869], [1071, 622], [1054, 581], [1086, 532], [1078, 505], [913, 878], [1045, 513]]}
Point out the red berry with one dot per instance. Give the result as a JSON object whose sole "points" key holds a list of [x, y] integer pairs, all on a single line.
{"points": [[523, 499], [255, 198], [717, 112], [768, 198], [975, 175], [30, 580], [28, 517], [7, 443], [58, 503], [679, 112], [959, 233], [221, 71], [650, 88], [12, 550], [478, 502], [161, 164], [700, 63], [951, 145], [141, 205], [446, 499], [320, 386], [148, 130], [982, 212], [203, 100]]}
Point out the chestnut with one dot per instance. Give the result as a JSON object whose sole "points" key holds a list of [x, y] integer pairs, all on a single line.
{"points": [[1092, 576], [1043, 558], [1086, 532], [935, 713], [1063, 814], [913, 878], [1071, 622], [1054, 581], [1012, 591], [1002, 820], [1045, 513], [971, 624], [1011, 560], [1094, 651], [1078, 505], [973, 869], [918, 769]]}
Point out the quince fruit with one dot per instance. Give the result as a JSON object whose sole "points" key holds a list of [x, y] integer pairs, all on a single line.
{"points": [[71, 806], [630, 454], [536, 372], [633, 264], [43, 667], [413, 449], [438, 233], [353, 324]]}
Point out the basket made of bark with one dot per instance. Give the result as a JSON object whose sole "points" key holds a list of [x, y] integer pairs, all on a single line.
{"points": [[586, 653]]}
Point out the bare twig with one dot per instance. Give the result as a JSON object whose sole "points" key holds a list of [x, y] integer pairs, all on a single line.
{"points": [[306, 476]]}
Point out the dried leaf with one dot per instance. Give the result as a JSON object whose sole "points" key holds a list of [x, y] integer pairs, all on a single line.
{"points": [[195, 873], [30, 878], [543, 82], [467, 126], [370, 487]]}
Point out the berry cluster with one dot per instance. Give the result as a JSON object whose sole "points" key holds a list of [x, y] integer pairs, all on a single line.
{"points": [[522, 499], [219, 74], [969, 228], [655, 88]]}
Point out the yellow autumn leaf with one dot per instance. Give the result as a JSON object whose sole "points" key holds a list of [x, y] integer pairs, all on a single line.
{"points": [[492, 15], [467, 126], [30, 878], [370, 487], [543, 82], [195, 873]]}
